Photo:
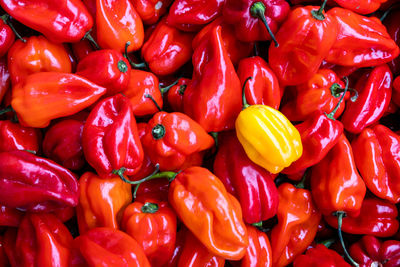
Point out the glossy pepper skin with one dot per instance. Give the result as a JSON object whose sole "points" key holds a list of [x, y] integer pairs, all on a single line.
{"points": [[297, 226], [10, 216], [217, 224], [81, 49], [335, 182], [320, 256], [13, 136], [107, 68], [172, 137], [47, 186], [370, 250], [175, 94], [251, 184], [110, 137], [362, 7], [377, 217], [42, 240], [213, 96], [376, 153], [49, 95], [263, 88], [304, 41], [117, 23], [4, 78], [273, 144], [392, 25], [7, 37], [60, 21], [150, 11], [319, 93], [396, 91], [101, 201], [192, 15], [248, 25], [361, 41], [167, 49], [153, 225], [38, 54], [107, 247], [374, 93]]}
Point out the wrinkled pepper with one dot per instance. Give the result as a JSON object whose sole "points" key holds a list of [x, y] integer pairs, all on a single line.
{"points": [[110, 137], [250, 183], [13, 136], [151, 10], [320, 256]]}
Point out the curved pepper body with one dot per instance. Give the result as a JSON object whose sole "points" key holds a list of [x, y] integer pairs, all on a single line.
{"points": [[303, 43], [60, 21], [4, 78], [362, 7], [49, 95], [31, 183], [110, 137], [7, 38], [268, 137], [175, 94], [217, 224], [258, 252], [13, 136], [375, 90], [101, 201], [151, 10], [10, 216], [320, 256]]}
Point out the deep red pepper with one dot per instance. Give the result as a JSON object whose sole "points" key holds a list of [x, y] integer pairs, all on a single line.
{"points": [[3, 257], [151, 10], [369, 250], [10, 216], [31, 183], [60, 21], [81, 49], [250, 183], [4, 78], [392, 25], [320, 256], [110, 138], [13, 136], [396, 91], [107, 68], [175, 94], [7, 36], [180, 239], [374, 92], [361, 6]]}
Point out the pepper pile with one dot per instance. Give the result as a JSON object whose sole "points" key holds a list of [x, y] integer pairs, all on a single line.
{"points": [[199, 133]]}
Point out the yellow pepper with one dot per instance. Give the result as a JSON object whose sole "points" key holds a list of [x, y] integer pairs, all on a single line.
{"points": [[268, 137]]}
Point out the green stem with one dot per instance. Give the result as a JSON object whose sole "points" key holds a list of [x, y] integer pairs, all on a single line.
{"points": [[327, 243], [122, 66], [154, 101], [6, 110], [340, 215], [387, 12], [257, 224], [318, 14], [301, 184], [257, 10], [90, 38], [182, 89], [332, 113], [215, 136], [165, 89], [158, 131], [336, 90], [6, 20], [133, 64], [149, 207], [245, 104]]}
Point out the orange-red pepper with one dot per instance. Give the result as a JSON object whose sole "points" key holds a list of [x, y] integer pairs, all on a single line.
{"points": [[361, 6], [259, 251]]}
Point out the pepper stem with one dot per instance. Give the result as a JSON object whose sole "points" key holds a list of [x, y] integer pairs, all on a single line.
{"points": [[133, 64], [6, 110], [165, 89], [257, 10], [158, 131], [182, 89], [332, 113], [340, 215], [318, 14], [257, 224], [301, 184], [90, 38], [6, 20], [245, 104], [149, 207], [327, 243], [336, 89], [154, 101], [122, 66], [215, 137]]}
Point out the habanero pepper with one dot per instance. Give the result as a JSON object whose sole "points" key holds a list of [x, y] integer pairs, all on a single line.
{"points": [[175, 94], [4, 78], [151, 10], [7, 36], [60, 21], [374, 92], [10, 216], [101, 201], [361, 6], [32, 183], [250, 183], [396, 91], [38, 54], [110, 137], [305, 39], [153, 225], [370, 251], [81, 49], [376, 153], [298, 220], [320, 256], [44, 96], [13, 136], [212, 98]]}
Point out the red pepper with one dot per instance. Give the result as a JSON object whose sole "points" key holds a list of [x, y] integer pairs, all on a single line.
{"points": [[255, 20], [392, 25], [213, 98], [375, 90], [3, 257], [251, 184], [81, 49], [361, 41], [153, 225], [297, 226], [263, 88], [7, 36], [107, 68], [13, 136], [107, 247], [376, 152], [110, 138], [320, 256], [172, 137], [305, 39], [4, 78], [60, 21], [396, 91], [180, 239], [167, 49], [175, 94], [361, 6], [192, 15], [154, 189], [42, 240], [151, 10], [31, 183], [36, 55], [377, 217], [10, 216], [370, 251]]}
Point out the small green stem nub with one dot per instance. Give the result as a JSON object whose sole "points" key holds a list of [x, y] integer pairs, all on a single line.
{"points": [[318, 14], [133, 64], [257, 224], [215, 136], [182, 89], [301, 184], [6, 110], [122, 66], [149, 207], [158, 131], [327, 243], [154, 101], [165, 89], [245, 104], [332, 113], [90, 38], [257, 10], [340, 215], [6, 20]]}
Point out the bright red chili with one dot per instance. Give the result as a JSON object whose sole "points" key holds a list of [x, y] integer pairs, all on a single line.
{"points": [[13, 136], [320, 256], [7, 36], [175, 94], [10, 216], [4, 78], [151, 10], [362, 7]]}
